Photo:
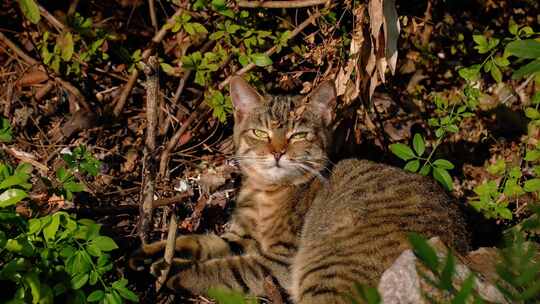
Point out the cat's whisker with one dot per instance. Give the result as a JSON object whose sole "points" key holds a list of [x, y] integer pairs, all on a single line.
{"points": [[312, 171]]}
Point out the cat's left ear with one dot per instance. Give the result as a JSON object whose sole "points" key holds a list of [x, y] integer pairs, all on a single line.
{"points": [[322, 101]]}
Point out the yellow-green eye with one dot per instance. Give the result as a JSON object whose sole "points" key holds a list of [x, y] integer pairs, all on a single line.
{"points": [[299, 135], [260, 133]]}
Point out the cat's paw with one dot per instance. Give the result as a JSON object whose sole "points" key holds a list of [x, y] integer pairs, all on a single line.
{"points": [[159, 267]]}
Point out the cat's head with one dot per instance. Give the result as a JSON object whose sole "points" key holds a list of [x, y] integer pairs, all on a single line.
{"points": [[281, 140]]}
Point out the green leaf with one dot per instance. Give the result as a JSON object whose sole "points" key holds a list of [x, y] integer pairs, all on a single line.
{"points": [[14, 180], [448, 272], [442, 176], [527, 69], [424, 251], [11, 197], [496, 73], [93, 249], [532, 113], [188, 27], [443, 164], [79, 280], [34, 225], [260, 59], [94, 277], [49, 231], [480, 40], [528, 48], [3, 239], [532, 155], [465, 291], [30, 10], [369, 294], [127, 294], [66, 46], [104, 243], [20, 245], [95, 296], [504, 213], [412, 166], [31, 280], [167, 68], [426, 168], [402, 151], [532, 185], [501, 61], [74, 187], [471, 73], [513, 27], [222, 296], [418, 144], [219, 5]]}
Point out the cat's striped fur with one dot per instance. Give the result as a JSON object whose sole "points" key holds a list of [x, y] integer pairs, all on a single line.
{"points": [[315, 231]]}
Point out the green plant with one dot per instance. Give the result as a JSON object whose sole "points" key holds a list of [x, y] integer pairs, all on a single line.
{"points": [[447, 121], [53, 258], [416, 162], [442, 273], [5, 131], [519, 268], [82, 160], [499, 50], [222, 296], [494, 196]]}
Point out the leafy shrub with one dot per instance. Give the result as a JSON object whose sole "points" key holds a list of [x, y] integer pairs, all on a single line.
{"points": [[53, 258]]}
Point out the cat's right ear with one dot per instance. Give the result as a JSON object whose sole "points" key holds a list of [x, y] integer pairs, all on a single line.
{"points": [[244, 97]]}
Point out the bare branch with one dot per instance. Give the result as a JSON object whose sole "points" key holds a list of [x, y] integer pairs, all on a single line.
{"points": [[281, 4], [121, 102], [149, 170], [10, 44]]}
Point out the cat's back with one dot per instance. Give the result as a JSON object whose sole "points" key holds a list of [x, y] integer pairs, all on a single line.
{"points": [[358, 224], [376, 198]]}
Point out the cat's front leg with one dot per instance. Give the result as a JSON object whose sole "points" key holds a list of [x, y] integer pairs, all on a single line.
{"points": [[245, 273], [191, 247]]}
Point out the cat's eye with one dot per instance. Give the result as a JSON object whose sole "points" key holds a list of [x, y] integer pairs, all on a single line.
{"points": [[299, 135], [260, 134]]}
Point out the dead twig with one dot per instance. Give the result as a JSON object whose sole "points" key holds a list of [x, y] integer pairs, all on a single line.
{"points": [[52, 19], [152, 11], [10, 44], [171, 200], [173, 142], [169, 250], [273, 49], [25, 158], [149, 168], [281, 4], [121, 102]]}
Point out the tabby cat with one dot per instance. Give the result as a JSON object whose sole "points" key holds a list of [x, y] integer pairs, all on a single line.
{"points": [[313, 230]]}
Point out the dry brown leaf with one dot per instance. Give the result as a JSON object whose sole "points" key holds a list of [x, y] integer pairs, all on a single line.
{"points": [[131, 161], [391, 33], [376, 16], [33, 77]]}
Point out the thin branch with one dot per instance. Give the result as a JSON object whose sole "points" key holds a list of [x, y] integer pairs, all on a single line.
{"points": [[173, 142], [149, 170], [121, 102], [281, 4], [52, 19], [10, 44], [169, 250], [273, 49], [152, 11]]}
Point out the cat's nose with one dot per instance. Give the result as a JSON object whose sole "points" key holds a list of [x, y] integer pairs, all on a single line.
{"points": [[277, 156]]}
